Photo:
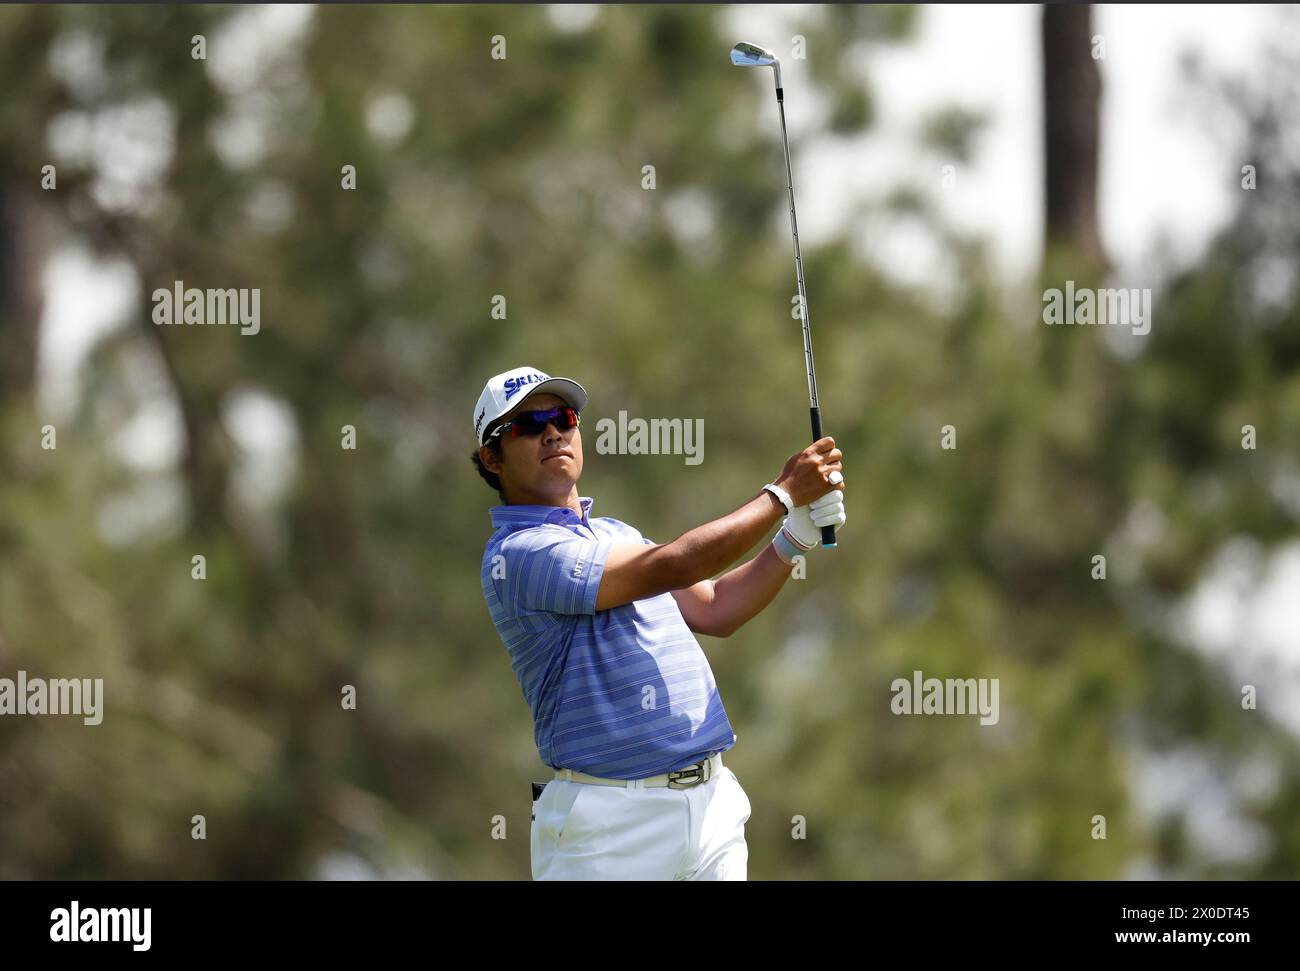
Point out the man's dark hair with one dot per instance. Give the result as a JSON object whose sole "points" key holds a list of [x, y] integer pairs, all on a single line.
{"points": [[490, 477]]}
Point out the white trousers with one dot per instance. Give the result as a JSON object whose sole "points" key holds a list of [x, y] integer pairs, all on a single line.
{"points": [[583, 831]]}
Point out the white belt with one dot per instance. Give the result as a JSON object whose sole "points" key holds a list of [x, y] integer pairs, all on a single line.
{"points": [[691, 775]]}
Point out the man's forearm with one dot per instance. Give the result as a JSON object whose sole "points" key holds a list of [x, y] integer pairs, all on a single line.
{"points": [[746, 590], [713, 547]]}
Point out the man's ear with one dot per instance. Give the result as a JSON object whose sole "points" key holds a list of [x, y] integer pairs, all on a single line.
{"points": [[489, 458]]}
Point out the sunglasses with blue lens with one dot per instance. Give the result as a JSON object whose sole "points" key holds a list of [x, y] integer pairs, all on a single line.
{"points": [[534, 422]]}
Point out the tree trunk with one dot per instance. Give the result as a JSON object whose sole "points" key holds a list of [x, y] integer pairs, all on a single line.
{"points": [[20, 294], [1071, 123]]}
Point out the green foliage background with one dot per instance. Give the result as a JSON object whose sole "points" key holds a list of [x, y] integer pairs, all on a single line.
{"points": [[522, 177]]}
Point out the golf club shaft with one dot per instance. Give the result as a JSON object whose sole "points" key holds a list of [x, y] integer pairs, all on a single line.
{"points": [[828, 532]]}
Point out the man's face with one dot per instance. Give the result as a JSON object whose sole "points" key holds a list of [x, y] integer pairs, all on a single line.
{"points": [[537, 469]]}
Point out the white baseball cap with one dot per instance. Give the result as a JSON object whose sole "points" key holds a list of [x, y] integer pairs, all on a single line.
{"points": [[502, 393]]}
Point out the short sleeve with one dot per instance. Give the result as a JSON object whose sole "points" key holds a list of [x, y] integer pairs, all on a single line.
{"points": [[555, 570]]}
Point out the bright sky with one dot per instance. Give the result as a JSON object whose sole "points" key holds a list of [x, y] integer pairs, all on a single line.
{"points": [[1163, 174]]}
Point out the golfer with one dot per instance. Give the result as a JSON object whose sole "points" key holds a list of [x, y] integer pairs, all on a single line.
{"points": [[600, 625]]}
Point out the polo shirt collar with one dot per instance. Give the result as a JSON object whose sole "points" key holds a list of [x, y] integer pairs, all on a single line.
{"points": [[538, 515]]}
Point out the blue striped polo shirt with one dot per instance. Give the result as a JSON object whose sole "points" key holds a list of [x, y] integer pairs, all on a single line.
{"points": [[624, 693]]}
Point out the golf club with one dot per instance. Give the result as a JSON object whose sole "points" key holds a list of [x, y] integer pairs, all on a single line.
{"points": [[751, 55]]}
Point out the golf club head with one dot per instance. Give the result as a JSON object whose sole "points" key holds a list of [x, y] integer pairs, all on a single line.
{"points": [[751, 55]]}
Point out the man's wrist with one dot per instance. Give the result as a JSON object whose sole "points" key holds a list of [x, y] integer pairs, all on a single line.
{"points": [[781, 496], [785, 549]]}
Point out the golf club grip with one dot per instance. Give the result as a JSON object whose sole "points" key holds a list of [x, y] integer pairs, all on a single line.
{"points": [[828, 532]]}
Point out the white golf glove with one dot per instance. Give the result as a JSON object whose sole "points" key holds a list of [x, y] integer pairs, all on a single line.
{"points": [[804, 525]]}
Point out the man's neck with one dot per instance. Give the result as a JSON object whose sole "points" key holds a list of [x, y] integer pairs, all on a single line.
{"points": [[571, 501]]}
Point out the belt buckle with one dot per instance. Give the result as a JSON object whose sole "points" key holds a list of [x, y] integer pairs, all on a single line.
{"points": [[695, 772]]}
